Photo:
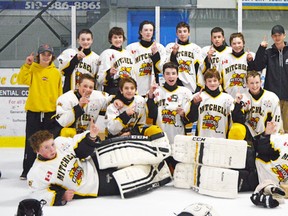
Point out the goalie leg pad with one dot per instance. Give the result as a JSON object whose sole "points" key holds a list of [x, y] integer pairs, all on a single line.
{"points": [[126, 152], [213, 181], [217, 152], [138, 179]]}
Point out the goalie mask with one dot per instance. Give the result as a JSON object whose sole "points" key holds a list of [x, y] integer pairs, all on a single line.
{"points": [[30, 207], [198, 209]]}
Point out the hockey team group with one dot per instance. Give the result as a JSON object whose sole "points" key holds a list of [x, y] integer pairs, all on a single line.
{"points": [[152, 96]]}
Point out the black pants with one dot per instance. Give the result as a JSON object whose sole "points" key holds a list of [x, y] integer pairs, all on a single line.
{"points": [[35, 121]]}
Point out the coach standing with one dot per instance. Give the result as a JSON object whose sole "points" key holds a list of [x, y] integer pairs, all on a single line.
{"points": [[275, 59]]}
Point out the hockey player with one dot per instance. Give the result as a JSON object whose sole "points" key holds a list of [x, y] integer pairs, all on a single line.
{"points": [[71, 168], [212, 54], [129, 119], [165, 103], [211, 108], [73, 63], [77, 107], [186, 55], [148, 55], [115, 62], [259, 106], [233, 66], [45, 86]]}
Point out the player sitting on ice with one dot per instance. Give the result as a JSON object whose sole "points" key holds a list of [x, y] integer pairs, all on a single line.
{"points": [[73, 168]]}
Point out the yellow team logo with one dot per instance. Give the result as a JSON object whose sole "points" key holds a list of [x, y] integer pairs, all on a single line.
{"points": [[125, 72], [184, 66], [169, 116], [210, 122], [237, 79], [145, 69], [281, 171], [253, 121], [76, 173]]}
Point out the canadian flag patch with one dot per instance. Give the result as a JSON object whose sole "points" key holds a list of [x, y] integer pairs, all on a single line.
{"points": [[48, 176]]}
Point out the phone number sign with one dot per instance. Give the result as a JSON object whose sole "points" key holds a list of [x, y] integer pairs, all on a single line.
{"points": [[58, 5]]}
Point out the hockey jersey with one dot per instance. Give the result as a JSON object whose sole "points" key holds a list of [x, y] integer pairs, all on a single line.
{"points": [[70, 114], [118, 122], [213, 63], [122, 61], [144, 66], [167, 103], [72, 68], [49, 179], [233, 71], [258, 111], [214, 115], [272, 163], [187, 57]]}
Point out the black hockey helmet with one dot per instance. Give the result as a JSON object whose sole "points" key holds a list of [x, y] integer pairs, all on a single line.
{"points": [[30, 207]]}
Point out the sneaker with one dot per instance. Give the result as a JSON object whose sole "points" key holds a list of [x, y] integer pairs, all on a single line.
{"points": [[23, 176]]}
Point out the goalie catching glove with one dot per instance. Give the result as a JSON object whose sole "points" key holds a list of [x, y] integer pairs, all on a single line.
{"points": [[268, 195]]}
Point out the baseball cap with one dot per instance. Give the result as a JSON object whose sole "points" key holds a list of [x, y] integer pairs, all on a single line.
{"points": [[277, 29], [45, 47]]}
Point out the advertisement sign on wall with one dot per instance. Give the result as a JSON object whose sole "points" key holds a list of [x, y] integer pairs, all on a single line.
{"points": [[12, 115]]}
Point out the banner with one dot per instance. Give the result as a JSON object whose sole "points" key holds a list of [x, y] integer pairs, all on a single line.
{"points": [[265, 4], [13, 116]]}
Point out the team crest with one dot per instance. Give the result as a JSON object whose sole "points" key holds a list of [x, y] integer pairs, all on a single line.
{"points": [[281, 171], [184, 66], [253, 121], [237, 79], [76, 173], [169, 116], [145, 69], [125, 72], [210, 122]]}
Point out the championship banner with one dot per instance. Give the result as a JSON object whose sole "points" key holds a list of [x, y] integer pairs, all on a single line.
{"points": [[265, 5], [13, 116]]}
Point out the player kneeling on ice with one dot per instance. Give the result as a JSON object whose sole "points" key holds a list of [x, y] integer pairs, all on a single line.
{"points": [[83, 167]]}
